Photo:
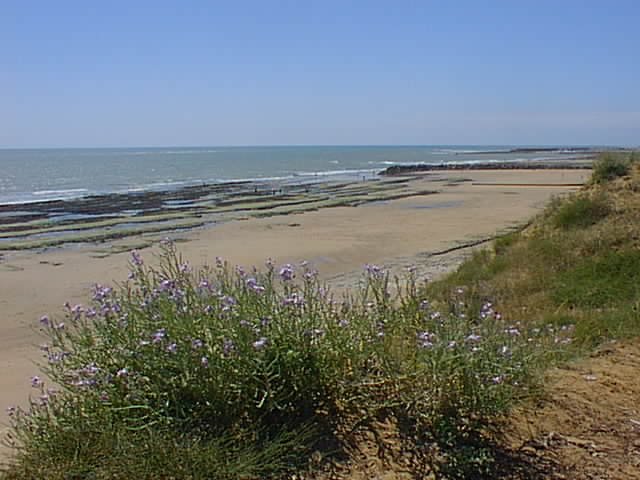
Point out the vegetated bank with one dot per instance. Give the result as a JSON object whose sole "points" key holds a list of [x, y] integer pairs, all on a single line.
{"points": [[182, 372]]}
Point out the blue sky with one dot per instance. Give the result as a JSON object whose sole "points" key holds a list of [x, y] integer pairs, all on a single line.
{"points": [[132, 73]]}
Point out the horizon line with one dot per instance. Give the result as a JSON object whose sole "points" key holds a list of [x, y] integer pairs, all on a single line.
{"points": [[303, 145]]}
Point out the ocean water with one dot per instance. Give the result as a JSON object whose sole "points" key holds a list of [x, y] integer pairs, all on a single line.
{"points": [[30, 175]]}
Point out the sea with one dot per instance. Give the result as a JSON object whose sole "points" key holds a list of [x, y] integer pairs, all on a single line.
{"points": [[36, 175]]}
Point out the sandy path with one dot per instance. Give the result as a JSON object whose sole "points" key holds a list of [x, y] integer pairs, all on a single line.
{"points": [[338, 241]]}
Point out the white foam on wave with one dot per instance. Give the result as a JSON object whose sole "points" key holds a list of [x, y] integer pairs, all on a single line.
{"points": [[70, 191], [172, 152], [449, 151], [121, 153], [324, 173], [159, 185]]}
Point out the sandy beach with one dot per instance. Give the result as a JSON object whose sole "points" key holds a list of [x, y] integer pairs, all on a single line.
{"points": [[470, 206]]}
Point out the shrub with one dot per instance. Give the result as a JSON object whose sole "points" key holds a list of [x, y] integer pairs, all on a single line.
{"points": [[258, 367], [579, 211], [610, 166]]}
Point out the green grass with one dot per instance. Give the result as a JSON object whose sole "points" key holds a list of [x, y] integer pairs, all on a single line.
{"points": [[579, 261], [609, 279]]}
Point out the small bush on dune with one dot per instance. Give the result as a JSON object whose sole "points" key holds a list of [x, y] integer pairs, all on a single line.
{"points": [[579, 211], [610, 166], [222, 373]]}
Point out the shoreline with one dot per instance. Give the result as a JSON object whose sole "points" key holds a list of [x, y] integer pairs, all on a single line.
{"points": [[109, 217], [580, 163]]}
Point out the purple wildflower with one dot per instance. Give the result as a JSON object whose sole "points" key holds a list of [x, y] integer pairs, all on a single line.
{"points": [[122, 373], [158, 336], [136, 259], [228, 347], [44, 321], [197, 343], [315, 333], [374, 271], [172, 348], [486, 311], [310, 274], [425, 339], [90, 370], [473, 338], [286, 272], [228, 302], [100, 292], [204, 361], [260, 343], [57, 357], [36, 382], [253, 285], [294, 299], [497, 380]]}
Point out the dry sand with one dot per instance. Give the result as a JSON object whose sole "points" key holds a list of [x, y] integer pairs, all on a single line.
{"points": [[338, 241]]}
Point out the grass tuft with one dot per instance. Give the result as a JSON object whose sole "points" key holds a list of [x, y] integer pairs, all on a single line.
{"points": [[611, 165], [579, 211]]}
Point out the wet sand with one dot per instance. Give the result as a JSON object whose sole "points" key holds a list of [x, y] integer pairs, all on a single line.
{"points": [[470, 206]]}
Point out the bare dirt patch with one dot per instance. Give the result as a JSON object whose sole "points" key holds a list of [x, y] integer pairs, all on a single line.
{"points": [[588, 424]]}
